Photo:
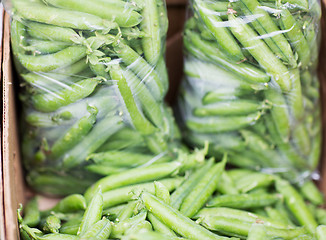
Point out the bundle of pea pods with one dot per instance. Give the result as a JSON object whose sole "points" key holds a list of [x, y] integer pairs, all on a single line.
{"points": [[183, 199], [93, 80], [251, 84]]}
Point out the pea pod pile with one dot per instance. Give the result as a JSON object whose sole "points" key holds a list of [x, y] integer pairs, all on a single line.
{"points": [[179, 200], [251, 85], [93, 83]]}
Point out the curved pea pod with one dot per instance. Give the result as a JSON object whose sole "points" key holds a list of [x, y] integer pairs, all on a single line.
{"points": [[226, 185], [221, 124], [142, 69], [257, 232], [266, 27], [38, 12], [162, 192], [134, 176], [49, 102], [245, 70], [230, 108], [176, 220], [18, 37], [244, 201], [139, 121], [72, 69], [104, 170], [51, 32], [93, 213], [178, 196], [321, 232], [296, 37], [32, 215], [128, 211], [123, 16], [150, 106], [46, 63], [279, 113], [314, 155], [222, 35], [261, 52], [296, 204], [301, 139], [99, 231], [151, 43], [223, 94], [75, 134], [104, 128]]}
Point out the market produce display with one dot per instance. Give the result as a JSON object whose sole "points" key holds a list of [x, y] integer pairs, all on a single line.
{"points": [[183, 199], [251, 85], [93, 80]]}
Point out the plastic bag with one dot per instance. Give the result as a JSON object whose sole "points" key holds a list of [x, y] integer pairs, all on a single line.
{"points": [[93, 82], [251, 86]]}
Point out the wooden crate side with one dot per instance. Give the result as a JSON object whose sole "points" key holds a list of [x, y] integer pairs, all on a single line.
{"points": [[13, 184]]}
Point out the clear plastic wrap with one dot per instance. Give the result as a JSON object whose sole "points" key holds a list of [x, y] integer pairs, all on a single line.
{"points": [[251, 86], [93, 82]]}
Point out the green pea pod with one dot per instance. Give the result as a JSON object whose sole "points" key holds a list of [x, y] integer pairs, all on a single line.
{"points": [[104, 170], [51, 32], [75, 134], [134, 176], [149, 105], [240, 215], [128, 211], [46, 63], [222, 35], [294, 97], [93, 213], [150, 24], [261, 52], [244, 201], [264, 25], [229, 108], [296, 37], [296, 204], [123, 16], [254, 180], [31, 213], [176, 220], [49, 102], [234, 227], [203, 190], [140, 123], [221, 124], [245, 70], [301, 139], [39, 12], [99, 231]]}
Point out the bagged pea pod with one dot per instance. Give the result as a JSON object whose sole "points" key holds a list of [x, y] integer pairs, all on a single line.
{"points": [[92, 86], [251, 84]]}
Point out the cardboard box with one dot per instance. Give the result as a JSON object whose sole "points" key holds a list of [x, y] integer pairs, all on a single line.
{"points": [[13, 189]]}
